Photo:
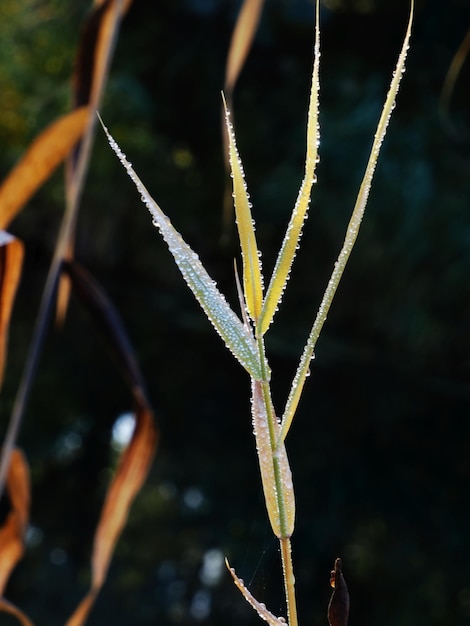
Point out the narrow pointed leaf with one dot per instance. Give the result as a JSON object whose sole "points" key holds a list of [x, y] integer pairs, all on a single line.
{"points": [[350, 239], [274, 467], [11, 260], [252, 278], [242, 38], [46, 152], [240, 44], [130, 475], [290, 244], [135, 461], [259, 607], [108, 323], [236, 337]]}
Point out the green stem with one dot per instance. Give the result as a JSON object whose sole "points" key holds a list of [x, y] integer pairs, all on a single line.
{"points": [[284, 539], [289, 580]]}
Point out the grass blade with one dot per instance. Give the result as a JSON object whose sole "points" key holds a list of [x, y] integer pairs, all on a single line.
{"points": [[290, 244], [350, 239], [252, 276], [8, 607], [236, 337], [260, 608], [240, 44], [108, 323]]}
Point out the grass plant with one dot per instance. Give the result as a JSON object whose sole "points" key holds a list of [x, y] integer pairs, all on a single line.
{"points": [[245, 336]]}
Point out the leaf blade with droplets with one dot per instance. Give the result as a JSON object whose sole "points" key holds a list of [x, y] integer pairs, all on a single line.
{"points": [[276, 476], [350, 238], [236, 336], [290, 243], [259, 607], [252, 276]]}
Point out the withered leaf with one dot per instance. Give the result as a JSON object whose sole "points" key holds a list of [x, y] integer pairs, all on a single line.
{"points": [[130, 475], [13, 530], [242, 38], [45, 153], [136, 459], [11, 261], [8, 607], [338, 608], [240, 44], [95, 50]]}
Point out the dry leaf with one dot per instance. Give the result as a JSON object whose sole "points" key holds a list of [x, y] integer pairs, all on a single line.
{"points": [[8, 607], [98, 38], [13, 530], [135, 461], [130, 475], [108, 323], [338, 608], [242, 38], [40, 160], [11, 261]]}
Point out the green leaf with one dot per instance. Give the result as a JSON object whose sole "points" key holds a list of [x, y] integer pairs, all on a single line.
{"points": [[276, 475], [252, 277], [236, 336], [290, 244], [350, 239]]}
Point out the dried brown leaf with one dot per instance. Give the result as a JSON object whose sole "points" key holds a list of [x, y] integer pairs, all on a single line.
{"points": [[46, 152], [13, 530], [8, 607], [242, 38], [130, 475], [11, 261], [95, 51], [338, 608], [107, 321]]}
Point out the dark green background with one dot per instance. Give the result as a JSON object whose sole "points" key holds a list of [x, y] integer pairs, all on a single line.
{"points": [[380, 448]]}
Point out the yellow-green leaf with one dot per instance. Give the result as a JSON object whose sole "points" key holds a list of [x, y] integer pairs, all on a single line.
{"points": [[130, 475], [252, 277], [290, 244], [350, 238]]}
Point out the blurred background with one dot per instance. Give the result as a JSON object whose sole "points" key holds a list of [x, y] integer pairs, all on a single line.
{"points": [[380, 448]]}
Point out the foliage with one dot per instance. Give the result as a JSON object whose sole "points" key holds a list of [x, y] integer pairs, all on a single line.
{"points": [[398, 357]]}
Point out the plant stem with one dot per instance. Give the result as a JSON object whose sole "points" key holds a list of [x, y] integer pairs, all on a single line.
{"points": [[289, 580], [284, 538], [273, 427]]}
